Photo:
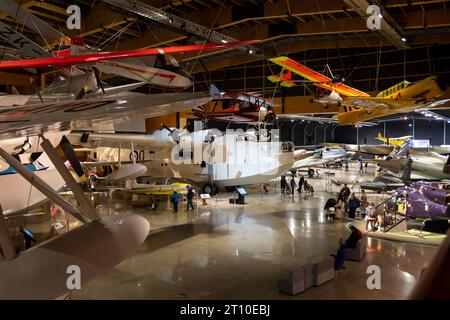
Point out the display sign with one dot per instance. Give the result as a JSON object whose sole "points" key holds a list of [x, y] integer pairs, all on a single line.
{"points": [[241, 191], [205, 196]]}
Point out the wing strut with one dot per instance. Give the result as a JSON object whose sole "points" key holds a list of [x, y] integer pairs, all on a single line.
{"points": [[83, 202]]}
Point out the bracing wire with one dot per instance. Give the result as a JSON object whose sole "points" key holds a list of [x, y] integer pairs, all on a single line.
{"points": [[209, 35], [378, 66], [117, 34]]}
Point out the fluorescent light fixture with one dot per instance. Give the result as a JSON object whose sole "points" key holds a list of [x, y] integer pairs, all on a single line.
{"points": [[120, 101], [224, 41]]}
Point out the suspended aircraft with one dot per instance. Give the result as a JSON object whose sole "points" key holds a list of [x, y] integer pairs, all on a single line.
{"points": [[357, 105], [241, 107]]}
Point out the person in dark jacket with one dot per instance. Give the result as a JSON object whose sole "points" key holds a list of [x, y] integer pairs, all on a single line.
{"points": [[300, 184], [353, 204], [175, 198], [293, 185], [190, 196], [283, 184]]}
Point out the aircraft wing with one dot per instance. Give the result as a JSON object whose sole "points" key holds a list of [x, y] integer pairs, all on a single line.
{"points": [[372, 103], [324, 120], [66, 61], [80, 114], [378, 150], [317, 78], [232, 118]]}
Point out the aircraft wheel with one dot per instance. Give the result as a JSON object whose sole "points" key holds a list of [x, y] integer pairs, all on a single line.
{"points": [[211, 189], [311, 173]]}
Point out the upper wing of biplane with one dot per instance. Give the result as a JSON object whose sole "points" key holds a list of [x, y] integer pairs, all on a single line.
{"points": [[66, 61], [316, 78]]}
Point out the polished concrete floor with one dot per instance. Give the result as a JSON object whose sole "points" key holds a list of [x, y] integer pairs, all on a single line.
{"points": [[223, 251]]}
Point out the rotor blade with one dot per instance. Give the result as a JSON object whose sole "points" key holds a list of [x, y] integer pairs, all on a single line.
{"points": [[67, 61]]}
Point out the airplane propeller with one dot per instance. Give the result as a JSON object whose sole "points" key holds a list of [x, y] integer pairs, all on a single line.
{"points": [[68, 151], [173, 132]]}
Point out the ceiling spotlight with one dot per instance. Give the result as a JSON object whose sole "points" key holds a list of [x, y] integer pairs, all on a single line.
{"points": [[410, 125], [405, 118], [380, 16], [251, 51], [403, 39], [428, 115]]}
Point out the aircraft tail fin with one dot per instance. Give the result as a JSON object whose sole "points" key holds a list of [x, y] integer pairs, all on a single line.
{"points": [[214, 91], [284, 78], [274, 78], [77, 46]]}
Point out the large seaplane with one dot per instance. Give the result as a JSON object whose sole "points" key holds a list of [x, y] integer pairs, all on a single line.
{"points": [[358, 106], [207, 158], [26, 122]]}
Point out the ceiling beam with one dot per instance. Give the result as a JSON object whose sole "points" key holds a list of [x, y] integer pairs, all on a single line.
{"points": [[388, 28]]}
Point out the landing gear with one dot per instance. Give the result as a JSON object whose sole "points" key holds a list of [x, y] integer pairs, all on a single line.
{"points": [[211, 189], [311, 173]]}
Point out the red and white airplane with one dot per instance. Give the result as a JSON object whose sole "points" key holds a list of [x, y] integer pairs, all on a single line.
{"points": [[154, 66], [246, 108]]}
